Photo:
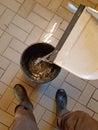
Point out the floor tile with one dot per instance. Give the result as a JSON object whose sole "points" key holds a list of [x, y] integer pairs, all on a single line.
{"points": [[17, 32], [64, 25], [93, 105], [22, 23], [37, 20], [49, 117], [10, 73], [38, 112], [86, 95], [5, 39], [95, 95], [1, 31], [43, 12], [3, 127], [2, 9], [71, 91], [94, 83], [5, 20], [75, 81], [67, 15], [48, 103], [20, 1], [57, 82], [12, 4], [83, 108], [38, 92], [54, 4], [26, 8], [17, 45], [6, 118], [58, 34], [45, 126], [1, 72], [43, 2], [95, 116], [12, 55], [4, 63], [6, 99], [3, 88], [70, 103], [34, 36], [11, 109], [51, 92]]}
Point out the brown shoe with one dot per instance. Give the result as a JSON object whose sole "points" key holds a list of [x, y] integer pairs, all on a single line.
{"points": [[61, 100], [22, 97]]}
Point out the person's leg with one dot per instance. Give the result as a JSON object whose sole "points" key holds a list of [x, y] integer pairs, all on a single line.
{"points": [[24, 118], [77, 120]]}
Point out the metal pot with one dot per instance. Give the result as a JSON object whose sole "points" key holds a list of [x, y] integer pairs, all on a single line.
{"points": [[41, 72]]}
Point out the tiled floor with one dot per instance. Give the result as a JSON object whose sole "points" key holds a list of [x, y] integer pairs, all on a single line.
{"points": [[23, 22]]}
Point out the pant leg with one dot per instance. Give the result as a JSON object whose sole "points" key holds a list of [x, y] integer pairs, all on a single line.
{"points": [[24, 120], [77, 120]]}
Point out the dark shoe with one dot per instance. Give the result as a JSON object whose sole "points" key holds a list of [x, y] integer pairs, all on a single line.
{"points": [[61, 100], [22, 97]]}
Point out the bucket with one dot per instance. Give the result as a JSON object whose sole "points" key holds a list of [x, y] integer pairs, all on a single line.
{"points": [[41, 72]]}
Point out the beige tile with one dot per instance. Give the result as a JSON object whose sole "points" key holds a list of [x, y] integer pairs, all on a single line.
{"points": [[3, 127], [12, 4], [1, 72], [94, 1], [34, 36], [4, 62], [43, 2], [71, 91], [10, 73], [83, 108], [50, 92], [93, 105], [58, 34], [48, 103], [1, 31], [12, 55], [95, 116], [6, 99], [11, 109], [86, 95], [3, 88], [2, 9], [17, 45], [4, 42], [53, 41], [54, 24], [20, 1], [17, 32], [86, 2], [57, 82], [5, 118], [37, 20], [22, 23], [49, 117], [47, 14], [95, 95], [38, 92], [65, 14], [75, 81], [26, 8], [38, 112], [54, 4], [45, 126], [64, 25], [70, 104], [5, 20], [94, 83]]}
